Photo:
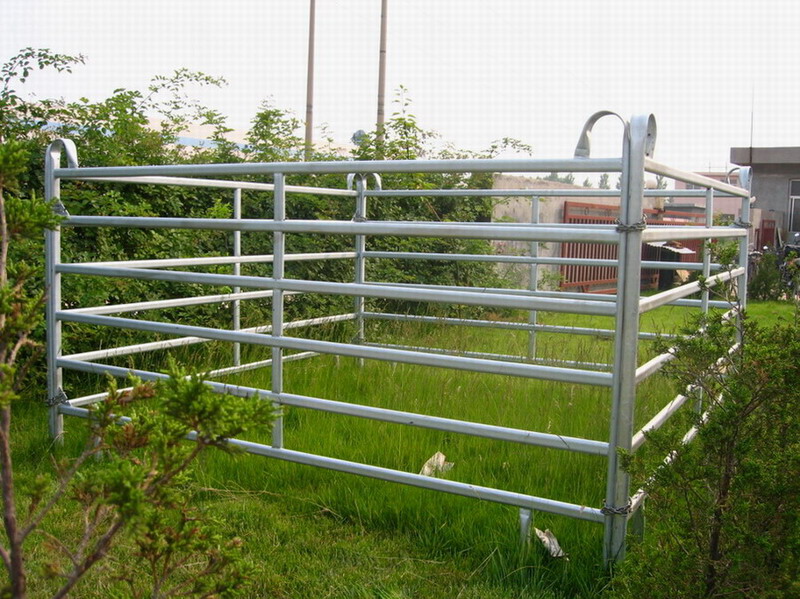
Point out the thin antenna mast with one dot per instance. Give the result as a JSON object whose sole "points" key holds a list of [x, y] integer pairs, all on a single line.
{"points": [[752, 117]]}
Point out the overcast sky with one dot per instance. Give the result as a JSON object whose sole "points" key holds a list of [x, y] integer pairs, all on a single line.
{"points": [[476, 70]]}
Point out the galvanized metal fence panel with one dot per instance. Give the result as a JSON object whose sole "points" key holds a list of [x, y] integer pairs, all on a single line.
{"points": [[620, 238]]}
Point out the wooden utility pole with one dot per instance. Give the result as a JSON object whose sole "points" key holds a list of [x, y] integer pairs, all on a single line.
{"points": [[310, 79]]}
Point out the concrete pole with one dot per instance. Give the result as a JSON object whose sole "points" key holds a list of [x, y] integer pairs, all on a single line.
{"points": [[310, 79], [381, 83]]}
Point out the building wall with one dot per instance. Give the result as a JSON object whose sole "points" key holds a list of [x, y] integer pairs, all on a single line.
{"points": [[771, 190], [773, 169]]}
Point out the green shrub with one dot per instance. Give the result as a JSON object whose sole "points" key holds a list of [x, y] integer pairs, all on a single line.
{"points": [[764, 282], [723, 517]]}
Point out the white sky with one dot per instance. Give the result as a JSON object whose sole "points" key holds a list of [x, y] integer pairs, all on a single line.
{"points": [[476, 70]]}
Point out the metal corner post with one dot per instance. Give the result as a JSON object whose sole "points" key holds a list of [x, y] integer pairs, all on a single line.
{"points": [[637, 143], [744, 242], [278, 253], [52, 250]]}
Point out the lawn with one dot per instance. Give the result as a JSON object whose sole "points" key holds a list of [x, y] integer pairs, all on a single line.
{"points": [[316, 533]]}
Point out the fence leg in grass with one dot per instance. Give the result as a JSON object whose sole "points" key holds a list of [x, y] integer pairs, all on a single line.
{"points": [[278, 247], [636, 523], [525, 523], [52, 193]]}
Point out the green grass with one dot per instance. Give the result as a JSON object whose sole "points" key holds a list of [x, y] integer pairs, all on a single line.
{"points": [[316, 533]]}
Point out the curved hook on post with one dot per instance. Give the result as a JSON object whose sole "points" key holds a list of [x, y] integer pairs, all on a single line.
{"points": [[584, 147], [363, 178], [52, 157], [745, 178], [651, 135], [644, 128], [52, 161]]}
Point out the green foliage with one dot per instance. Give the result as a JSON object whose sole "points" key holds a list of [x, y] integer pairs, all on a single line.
{"points": [[723, 516], [405, 139], [18, 116], [764, 281], [141, 485], [140, 492]]}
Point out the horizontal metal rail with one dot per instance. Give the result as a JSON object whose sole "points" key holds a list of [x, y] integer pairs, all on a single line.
{"points": [[678, 233], [499, 324], [218, 372], [182, 341], [593, 165], [657, 421], [475, 429], [222, 184], [666, 297], [667, 411], [354, 351], [652, 366], [499, 231], [350, 289], [530, 502], [492, 356], [651, 166], [557, 295], [658, 362], [532, 193], [215, 260], [550, 260], [97, 397], [378, 193], [172, 303]]}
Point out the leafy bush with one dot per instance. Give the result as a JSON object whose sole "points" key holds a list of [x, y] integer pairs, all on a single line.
{"points": [[724, 516], [764, 282]]}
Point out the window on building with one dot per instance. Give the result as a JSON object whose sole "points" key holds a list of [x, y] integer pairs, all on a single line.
{"points": [[794, 205]]}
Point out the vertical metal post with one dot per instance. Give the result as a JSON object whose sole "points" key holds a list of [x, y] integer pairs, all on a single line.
{"points": [[533, 285], [639, 140], [706, 249], [237, 270], [52, 245], [744, 242], [360, 262], [278, 250]]}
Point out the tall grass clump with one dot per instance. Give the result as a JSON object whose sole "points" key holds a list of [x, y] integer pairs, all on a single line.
{"points": [[439, 524]]}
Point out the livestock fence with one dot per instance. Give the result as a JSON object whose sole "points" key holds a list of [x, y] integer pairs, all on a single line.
{"points": [[360, 182]]}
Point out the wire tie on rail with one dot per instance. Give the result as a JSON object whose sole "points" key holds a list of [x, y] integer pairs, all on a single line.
{"points": [[742, 224], [640, 226], [59, 208], [607, 510], [59, 399]]}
